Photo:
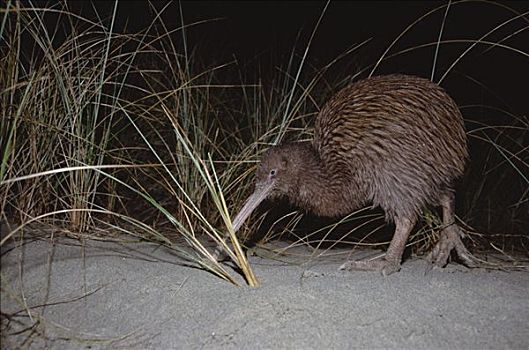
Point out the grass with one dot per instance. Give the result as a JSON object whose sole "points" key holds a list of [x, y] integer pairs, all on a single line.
{"points": [[68, 114]]}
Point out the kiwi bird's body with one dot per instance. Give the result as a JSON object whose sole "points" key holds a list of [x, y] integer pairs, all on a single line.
{"points": [[395, 141]]}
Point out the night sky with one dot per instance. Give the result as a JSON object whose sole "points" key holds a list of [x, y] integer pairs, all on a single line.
{"points": [[262, 35]]}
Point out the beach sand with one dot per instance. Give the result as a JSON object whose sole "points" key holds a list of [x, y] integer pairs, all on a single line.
{"points": [[142, 296]]}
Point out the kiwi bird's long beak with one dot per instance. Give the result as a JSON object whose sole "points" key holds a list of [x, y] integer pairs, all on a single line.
{"points": [[262, 190]]}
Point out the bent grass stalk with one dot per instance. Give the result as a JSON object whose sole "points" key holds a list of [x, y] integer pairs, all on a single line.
{"points": [[216, 192]]}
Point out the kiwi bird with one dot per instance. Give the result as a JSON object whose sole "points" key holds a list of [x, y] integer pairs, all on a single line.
{"points": [[395, 141]]}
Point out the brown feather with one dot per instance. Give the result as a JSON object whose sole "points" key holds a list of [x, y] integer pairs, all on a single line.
{"points": [[397, 141]]}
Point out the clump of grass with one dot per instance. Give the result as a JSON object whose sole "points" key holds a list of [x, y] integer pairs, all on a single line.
{"points": [[58, 112], [78, 111]]}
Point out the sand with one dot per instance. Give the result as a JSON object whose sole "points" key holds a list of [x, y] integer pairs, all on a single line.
{"points": [[141, 296]]}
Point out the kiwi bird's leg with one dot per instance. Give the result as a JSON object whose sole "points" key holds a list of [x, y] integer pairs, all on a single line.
{"points": [[450, 237], [391, 262]]}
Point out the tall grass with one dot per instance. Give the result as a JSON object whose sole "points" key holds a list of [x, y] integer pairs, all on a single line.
{"points": [[87, 127], [57, 112]]}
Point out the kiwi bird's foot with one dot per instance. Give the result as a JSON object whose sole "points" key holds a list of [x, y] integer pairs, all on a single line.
{"points": [[450, 239], [385, 267]]}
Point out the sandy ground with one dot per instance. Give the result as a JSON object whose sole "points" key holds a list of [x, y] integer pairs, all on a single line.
{"points": [[140, 296]]}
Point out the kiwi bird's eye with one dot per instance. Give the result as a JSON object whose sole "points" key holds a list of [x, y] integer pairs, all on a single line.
{"points": [[273, 172]]}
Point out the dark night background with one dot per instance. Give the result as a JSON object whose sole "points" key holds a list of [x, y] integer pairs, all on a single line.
{"points": [[264, 33]]}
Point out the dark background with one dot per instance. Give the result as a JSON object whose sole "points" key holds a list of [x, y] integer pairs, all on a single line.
{"points": [[262, 35]]}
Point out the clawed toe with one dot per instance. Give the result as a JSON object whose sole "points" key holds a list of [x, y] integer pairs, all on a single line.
{"points": [[450, 240], [384, 266]]}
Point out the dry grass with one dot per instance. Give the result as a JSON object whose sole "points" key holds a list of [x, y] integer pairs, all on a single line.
{"points": [[88, 128]]}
